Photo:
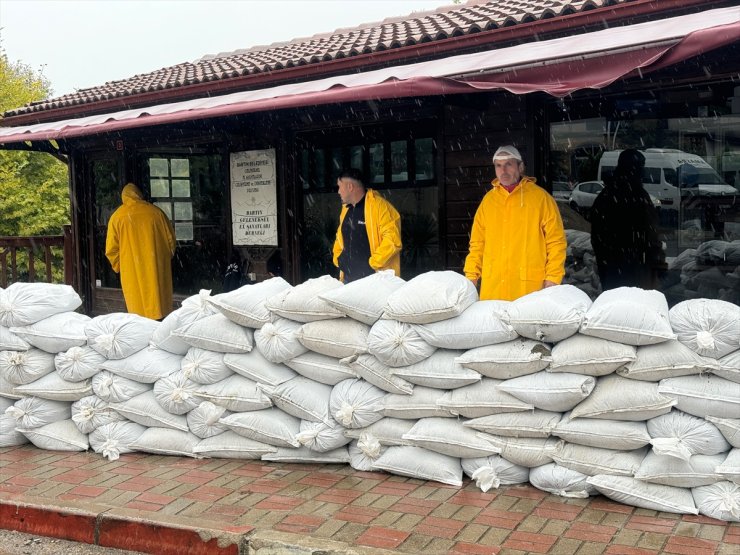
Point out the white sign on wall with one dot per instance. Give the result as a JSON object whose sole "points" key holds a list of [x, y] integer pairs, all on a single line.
{"points": [[254, 198]]}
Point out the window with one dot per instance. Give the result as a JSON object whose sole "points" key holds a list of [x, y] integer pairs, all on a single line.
{"points": [[169, 186]]}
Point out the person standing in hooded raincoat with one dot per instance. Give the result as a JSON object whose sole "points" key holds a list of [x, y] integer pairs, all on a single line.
{"points": [[140, 244]]}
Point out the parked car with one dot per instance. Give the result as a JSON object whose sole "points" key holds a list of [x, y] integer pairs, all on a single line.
{"points": [[583, 195], [561, 190]]}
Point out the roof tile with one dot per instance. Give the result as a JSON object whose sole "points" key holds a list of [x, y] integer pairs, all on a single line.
{"points": [[391, 33]]}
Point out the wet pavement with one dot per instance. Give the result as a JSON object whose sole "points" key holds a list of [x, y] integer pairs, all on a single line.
{"points": [[176, 505]]}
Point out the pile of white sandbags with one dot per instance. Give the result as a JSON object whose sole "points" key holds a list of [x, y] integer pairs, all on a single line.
{"points": [[618, 396], [712, 270]]}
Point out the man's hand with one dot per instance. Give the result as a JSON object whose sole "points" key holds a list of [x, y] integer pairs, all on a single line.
{"points": [[475, 281], [547, 283]]}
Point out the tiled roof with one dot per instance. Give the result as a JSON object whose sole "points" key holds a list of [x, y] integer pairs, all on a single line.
{"points": [[475, 16]]}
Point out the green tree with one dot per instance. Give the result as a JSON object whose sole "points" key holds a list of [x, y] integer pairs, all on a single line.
{"points": [[34, 193]]}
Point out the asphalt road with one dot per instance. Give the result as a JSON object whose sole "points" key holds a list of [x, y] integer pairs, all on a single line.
{"points": [[16, 543]]}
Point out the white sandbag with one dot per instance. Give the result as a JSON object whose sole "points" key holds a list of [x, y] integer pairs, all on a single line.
{"points": [[729, 427], [320, 368], [272, 426], [681, 435], [370, 369], [91, 412], [193, 308], [216, 333], [666, 360], [703, 395], [55, 388], [698, 470], [7, 389], [422, 403], [479, 325], [708, 327], [256, 367], [23, 367], [34, 412], [278, 340], [729, 367], [235, 393], [629, 315], [481, 399], [22, 304], [386, 431], [303, 303], [115, 389], [56, 333], [618, 398], [416, 462], [203, 420], [730, 467], [78, 363], [449, 437], [720, 501], [397, 344], [176, 393], [165, 441], [338, 337], [362, 455], [306, 455], [558, 392], [354, 301], [606, 434], [145, 410], [494, 471], [205, 367], [11, 342], [526, 451], [230, 445], [302, 398], [246, 306], [322, 437], [145, 366], [356, 403], [551, 314], [595, 460], [507, 360], [115, 438], [592, 356], [57, 436], [9, 437], [656, 497], [119, 335], [537, 423], [561, 481], [431, 297], [441, 370]]}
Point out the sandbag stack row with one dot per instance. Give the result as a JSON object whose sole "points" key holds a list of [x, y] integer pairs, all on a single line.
{"points": [[619, 396]]}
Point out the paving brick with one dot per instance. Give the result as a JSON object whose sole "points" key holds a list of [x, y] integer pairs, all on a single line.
{"points": [[565, 546], [387, 518], [363, 515], [689, 546], [472, 533], [555, 528], [465, 548], [626, 550], [651, 524], [591, 532], [651, 540], [478, 499], [531, 523]]}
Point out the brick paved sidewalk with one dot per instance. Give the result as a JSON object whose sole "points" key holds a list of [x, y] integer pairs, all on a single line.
{"points": [[179, 505]]}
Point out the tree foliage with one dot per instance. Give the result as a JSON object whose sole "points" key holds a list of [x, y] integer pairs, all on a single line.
{"points": [[34, 192]]}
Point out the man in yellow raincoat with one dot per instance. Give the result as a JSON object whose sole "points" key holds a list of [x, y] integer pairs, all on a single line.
{"points": [[369, 234], [139, 245], [517, 244]]}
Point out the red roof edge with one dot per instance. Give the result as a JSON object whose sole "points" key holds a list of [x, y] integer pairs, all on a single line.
{"points": [[297, 73]]}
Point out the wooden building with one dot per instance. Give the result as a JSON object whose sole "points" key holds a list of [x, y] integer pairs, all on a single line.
{"points": [[419, 104]]}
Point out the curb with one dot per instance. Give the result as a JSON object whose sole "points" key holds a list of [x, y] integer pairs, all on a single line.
{"points": [[126, 529]]}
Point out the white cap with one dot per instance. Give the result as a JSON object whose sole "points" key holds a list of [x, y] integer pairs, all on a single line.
{"points": [[507, 152]]}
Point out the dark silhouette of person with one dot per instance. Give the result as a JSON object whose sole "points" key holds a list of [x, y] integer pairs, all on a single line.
{"points": [[624, 233]]}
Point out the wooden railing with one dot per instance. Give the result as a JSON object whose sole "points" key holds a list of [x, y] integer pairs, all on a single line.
{"points": [[38, 252]]}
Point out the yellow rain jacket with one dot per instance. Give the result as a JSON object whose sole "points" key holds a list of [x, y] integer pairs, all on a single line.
{"points": [[517, 242], [140, 244], [383, 225]]}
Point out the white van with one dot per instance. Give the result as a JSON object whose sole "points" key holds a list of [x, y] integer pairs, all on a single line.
{"points": [[670, 174]]}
